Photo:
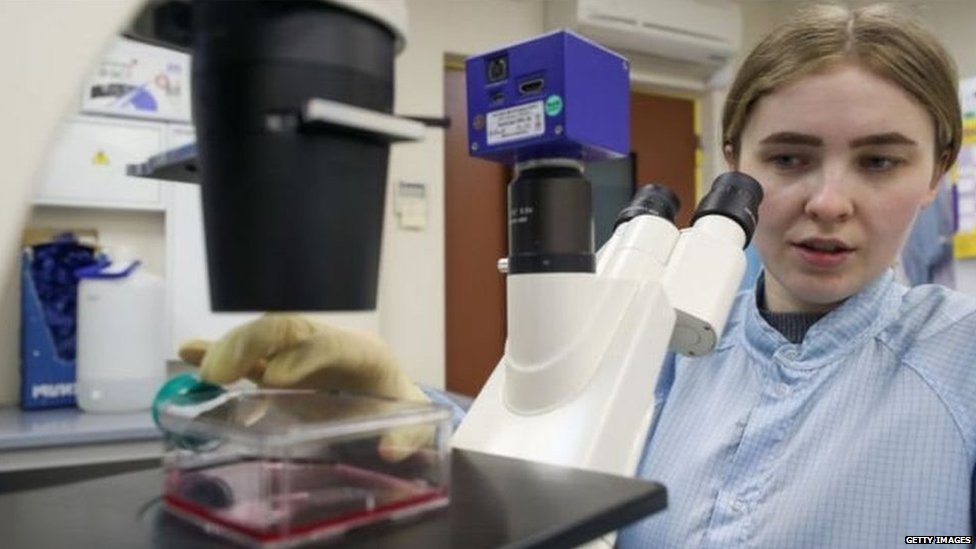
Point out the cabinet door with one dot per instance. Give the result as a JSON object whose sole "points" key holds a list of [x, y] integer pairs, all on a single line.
{"points": [[87, 165], [191, 315]]}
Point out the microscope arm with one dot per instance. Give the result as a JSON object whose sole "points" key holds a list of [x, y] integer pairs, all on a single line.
{"points": [[575, 386], [181, 164]]}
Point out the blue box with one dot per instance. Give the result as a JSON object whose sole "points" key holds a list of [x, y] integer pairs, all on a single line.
{"points": [[46, 379], [558, 95]]}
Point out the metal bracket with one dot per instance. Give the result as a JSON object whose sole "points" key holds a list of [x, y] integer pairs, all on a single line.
{"points": [[319, 113], [180, 164]]}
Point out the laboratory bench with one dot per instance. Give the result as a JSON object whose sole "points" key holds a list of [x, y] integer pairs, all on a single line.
{"points": [[496, 502], [67, 438], [71, 478]]}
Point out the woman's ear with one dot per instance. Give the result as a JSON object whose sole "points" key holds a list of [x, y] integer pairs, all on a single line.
{"points": [[731, 161]]}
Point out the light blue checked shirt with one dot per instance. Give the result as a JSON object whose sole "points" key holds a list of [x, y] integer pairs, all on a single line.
{"points": [[859, 436]]}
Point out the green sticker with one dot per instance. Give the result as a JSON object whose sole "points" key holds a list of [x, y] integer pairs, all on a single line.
{"points": [[554, 105]]}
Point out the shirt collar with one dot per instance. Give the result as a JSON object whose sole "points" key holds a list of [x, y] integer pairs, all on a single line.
{"points": [[840, 331]]}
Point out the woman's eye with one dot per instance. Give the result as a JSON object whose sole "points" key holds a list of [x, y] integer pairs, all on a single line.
{"points": [[786, 161], [879, 163]]}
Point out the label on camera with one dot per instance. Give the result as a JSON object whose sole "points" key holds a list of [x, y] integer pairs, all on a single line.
{"points": [[516, 123]]}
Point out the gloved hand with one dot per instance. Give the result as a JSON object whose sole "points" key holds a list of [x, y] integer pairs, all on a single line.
{"points": [[290, 351]]}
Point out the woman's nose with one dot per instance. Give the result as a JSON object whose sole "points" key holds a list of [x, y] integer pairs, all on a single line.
{"points": [[830, 198]]}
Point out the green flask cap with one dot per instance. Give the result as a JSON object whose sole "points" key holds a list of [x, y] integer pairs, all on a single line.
{"points": [[185, 389]]}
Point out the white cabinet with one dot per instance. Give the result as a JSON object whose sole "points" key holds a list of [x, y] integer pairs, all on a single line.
{"points": [[87, 165]]}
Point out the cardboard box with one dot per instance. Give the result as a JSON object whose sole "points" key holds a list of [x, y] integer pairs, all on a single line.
{"points": [[47, 378]]}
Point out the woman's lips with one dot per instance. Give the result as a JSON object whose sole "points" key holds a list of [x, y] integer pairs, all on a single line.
{"points": [[823, 257]]}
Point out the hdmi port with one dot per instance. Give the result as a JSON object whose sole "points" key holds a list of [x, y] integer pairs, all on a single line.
{"points": [[531, 86]]}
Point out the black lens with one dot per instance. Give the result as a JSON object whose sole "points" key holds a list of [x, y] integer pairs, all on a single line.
{"points": [[497, 69], [736, 196], [549, 222]]}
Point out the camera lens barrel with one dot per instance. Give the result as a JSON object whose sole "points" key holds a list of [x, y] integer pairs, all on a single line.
{"points": [[549, 221]]}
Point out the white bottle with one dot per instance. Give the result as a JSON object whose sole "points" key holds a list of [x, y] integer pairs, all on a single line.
{"points": [[121, 358]]}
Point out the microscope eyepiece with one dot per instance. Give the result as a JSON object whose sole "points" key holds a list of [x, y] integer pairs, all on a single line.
{"points": [[736, 196], [651, 199]]}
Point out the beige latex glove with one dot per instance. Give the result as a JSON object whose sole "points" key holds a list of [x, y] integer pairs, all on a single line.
{"points": [[286, 350]]}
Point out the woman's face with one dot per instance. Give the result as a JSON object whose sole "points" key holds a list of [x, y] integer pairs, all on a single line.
{"points": [[846, 160]]}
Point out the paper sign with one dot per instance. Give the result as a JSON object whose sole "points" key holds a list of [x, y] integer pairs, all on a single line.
{"points": [[140, 81]]}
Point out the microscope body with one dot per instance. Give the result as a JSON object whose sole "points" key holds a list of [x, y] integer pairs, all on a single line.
{"points": [[576, 391], [575, 386], [588, 332]]}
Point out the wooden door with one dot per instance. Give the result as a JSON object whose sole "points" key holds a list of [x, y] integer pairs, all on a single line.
{"points": [[475, 238], [663, 145], [662, 137]]}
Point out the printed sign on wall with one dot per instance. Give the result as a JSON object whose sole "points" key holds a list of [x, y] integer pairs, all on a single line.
{"points": [[137, 80]]}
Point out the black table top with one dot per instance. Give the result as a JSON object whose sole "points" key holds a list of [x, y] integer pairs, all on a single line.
{"points": [[495, 502]]}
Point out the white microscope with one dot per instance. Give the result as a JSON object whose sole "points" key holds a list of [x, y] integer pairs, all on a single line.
{"points": [[588, 333]]}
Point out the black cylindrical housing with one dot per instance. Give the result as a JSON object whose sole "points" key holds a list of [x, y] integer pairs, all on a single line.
{"points": [[734, 195], [550, 228], [293, 221], [651, 199]]}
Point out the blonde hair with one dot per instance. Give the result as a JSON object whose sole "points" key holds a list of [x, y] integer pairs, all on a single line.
{"points": [[878, 38]]}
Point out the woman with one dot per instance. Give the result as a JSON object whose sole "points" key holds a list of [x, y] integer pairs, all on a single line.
{"points": [[838, 409]]}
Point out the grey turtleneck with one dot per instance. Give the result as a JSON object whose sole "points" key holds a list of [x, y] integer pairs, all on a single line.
{"points": [[793, 326]]}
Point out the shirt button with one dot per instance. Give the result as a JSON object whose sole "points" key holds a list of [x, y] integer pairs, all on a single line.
{"points": [[782, 390], [738, 506], [790, 354]]}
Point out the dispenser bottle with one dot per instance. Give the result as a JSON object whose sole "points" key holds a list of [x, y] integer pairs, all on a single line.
{"points": [[121, 359]]}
